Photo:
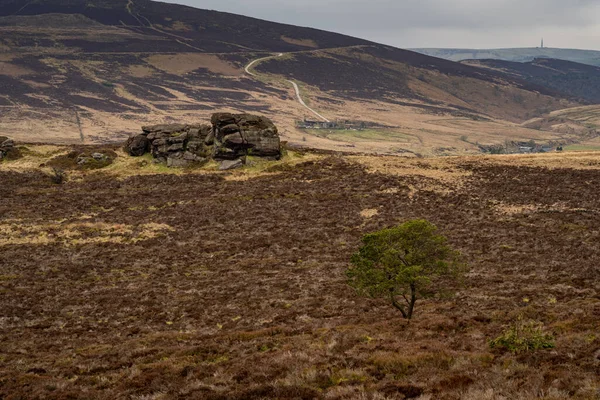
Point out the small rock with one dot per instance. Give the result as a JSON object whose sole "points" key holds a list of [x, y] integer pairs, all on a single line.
{"points": [[99, 156], [231, 128], [230, 164], [210, 139], [177, 139], [222, 119], [224, 153], [137, 146], [194, 145], [234, 140], [177, 162], [175, 147], [155, 135], [189, 156]]}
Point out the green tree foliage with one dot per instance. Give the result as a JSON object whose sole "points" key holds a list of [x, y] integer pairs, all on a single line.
{"points": [[403, 264]]}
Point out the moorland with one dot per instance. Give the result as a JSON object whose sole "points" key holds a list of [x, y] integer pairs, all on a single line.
{"points": [[142, 282]]}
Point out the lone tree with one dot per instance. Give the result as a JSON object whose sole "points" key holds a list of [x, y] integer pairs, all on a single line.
{"points": [[404, 263]]}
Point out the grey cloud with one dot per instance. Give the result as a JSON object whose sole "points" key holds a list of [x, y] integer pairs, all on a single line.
{"points": [[412, 23]]}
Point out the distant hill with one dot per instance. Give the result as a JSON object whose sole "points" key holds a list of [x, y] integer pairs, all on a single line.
{"points": [[575, 79], [590, 57]]}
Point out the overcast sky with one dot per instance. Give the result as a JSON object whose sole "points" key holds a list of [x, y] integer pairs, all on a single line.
{"points": [[435, 23]]}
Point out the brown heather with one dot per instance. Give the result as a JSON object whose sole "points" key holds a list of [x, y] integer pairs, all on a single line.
{"points": [[204, 286]]}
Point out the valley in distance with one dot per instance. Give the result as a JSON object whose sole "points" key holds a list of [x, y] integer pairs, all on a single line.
{"points": [[203, 205]]}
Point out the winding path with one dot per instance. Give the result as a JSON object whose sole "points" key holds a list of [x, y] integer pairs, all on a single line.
{"points": [[297, 89], [247, 69], [294, 84]]}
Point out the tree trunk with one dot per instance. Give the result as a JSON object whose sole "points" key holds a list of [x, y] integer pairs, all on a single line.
{"points": [[413, 299], [398, 305]]}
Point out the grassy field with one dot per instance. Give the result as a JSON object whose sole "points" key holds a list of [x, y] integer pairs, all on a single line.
{"points": [[369, 135], [138, 283], [582, 147]]}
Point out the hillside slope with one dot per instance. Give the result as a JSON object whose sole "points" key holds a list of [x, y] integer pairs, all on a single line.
{"points": [[95, 71], [578, 80], [208, 31]]}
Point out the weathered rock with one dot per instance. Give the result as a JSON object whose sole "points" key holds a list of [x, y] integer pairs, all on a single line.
{"points": [[177, 139], [191, 156], [231, 128], [252, 134], [6, 147], [175, 147], [99, 156], [156, 135], [225, 153], [165, 128], [210, 139], [177, 162], [234, 140], [222, 119], [137, 145], [230, 164], [264, 143], [195, 146], [231, 137]]}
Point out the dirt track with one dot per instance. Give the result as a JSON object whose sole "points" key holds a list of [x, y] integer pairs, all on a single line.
{"points": [[195, 286]]}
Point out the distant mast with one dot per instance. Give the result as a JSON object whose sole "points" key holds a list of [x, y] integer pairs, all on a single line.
{"points": [[542, 46]]}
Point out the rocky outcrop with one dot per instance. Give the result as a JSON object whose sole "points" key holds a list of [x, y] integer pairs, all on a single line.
{"points": [[7, 148], [231, 137], [238, 135]]}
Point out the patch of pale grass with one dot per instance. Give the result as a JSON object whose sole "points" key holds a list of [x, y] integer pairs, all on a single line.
{"points": [[503, 208], [443, 172], [33, 156], [369, 213], [574, 160], [259, 167], [76, 233]]}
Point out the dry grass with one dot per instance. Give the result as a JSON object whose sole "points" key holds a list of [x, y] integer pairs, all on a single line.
{"points": [[183, 63], [301, 42], [196, 285], [14, 70], [66, 233]]}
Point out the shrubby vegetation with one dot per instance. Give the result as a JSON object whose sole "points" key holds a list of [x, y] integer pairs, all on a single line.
{"points": [[523, 336]]}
